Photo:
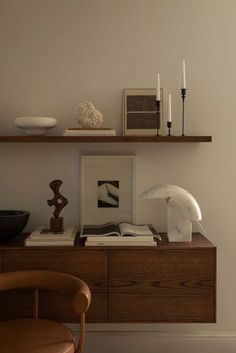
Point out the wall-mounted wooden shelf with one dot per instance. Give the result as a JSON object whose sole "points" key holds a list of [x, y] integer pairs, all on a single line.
{"points": [[76, 139]]}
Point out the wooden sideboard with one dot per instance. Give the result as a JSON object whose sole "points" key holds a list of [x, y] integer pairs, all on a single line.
{"points": [[173, 282]]}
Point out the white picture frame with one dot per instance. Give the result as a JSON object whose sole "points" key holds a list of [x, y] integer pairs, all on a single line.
{"points": [[102, 177], [140, 115]]}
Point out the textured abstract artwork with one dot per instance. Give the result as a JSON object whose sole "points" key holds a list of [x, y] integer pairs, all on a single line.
{"points": [[140, 112]]}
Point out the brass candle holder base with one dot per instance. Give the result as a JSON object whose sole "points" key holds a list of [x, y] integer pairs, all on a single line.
{"points": [[158, 105], [169, 125], [183, 94]]}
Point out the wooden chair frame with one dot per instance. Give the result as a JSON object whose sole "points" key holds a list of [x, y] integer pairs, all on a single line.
{"points": [[52, 281]]}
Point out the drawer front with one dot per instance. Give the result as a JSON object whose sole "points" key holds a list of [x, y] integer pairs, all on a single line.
{"points": [[162, 286], [90, 266]]}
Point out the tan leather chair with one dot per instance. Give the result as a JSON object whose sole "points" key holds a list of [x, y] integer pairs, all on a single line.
{"points": [[37, 335]]}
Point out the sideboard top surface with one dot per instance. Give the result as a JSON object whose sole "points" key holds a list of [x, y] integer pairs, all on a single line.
{"points": [[198, 242]]}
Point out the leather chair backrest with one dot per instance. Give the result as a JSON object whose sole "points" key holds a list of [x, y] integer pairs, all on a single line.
{"points": [[49, 280]]}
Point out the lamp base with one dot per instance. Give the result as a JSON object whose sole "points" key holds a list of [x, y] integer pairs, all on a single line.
{"points": [[179, 227]]}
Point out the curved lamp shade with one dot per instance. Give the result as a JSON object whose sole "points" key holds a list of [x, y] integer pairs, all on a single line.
{"points": [[182, 210]]}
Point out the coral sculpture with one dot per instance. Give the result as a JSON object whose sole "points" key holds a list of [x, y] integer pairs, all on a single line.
{"points": [[88, 116]]}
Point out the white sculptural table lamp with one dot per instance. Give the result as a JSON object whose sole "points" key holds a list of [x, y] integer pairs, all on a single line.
{"points": [[182, 210]]}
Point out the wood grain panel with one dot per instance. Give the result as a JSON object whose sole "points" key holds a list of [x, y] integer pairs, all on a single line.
{"points": [[91, 266], [176, 285], [18, 304], [154, 308]]}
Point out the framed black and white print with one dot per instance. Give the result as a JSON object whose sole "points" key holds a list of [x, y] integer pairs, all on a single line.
{"points": [[107, 189], [108, 193], [140, 112]]}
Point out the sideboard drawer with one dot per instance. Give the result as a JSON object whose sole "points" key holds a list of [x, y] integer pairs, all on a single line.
{"points": [[91, 266], [162, 286]]}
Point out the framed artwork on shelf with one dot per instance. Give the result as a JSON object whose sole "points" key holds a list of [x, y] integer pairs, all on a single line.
{"points": [[140, 112], [107, 189]]}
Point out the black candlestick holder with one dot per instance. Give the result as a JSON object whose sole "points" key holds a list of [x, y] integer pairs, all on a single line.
{"points": [[169, 124], [158, 104], [183, 94]]}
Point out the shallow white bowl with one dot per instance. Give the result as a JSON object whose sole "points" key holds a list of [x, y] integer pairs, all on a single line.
{"points": [[35, 125]]}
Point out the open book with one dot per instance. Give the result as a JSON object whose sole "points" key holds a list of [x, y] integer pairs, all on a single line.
{"points": [[109, 231]]}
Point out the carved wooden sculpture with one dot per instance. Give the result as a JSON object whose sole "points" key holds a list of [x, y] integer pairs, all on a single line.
{"points": [[59, 202]]}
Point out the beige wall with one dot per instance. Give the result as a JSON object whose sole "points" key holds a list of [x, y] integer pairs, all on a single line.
{"points": [[57, 53]]}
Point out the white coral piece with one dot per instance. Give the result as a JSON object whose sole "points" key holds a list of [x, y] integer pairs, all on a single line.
{"points": [[88, 116]]}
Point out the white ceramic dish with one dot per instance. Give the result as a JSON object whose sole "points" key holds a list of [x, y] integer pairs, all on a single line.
{"points": [[35, 125]]}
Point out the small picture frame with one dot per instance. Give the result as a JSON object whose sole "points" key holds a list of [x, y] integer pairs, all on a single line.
{"points": [[140, 112], [107, 189]]}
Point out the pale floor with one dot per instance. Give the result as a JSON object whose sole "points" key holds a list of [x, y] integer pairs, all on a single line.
{"points": [[132, 345]]}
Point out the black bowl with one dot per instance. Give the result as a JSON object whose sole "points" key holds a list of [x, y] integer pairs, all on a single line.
{"points": [[12, 223]]}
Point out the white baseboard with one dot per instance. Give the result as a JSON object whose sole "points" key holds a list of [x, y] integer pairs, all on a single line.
{"points": [[102, 341]]}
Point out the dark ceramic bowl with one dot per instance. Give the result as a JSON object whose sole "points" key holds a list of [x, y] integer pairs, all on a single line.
{"points": [[12, 223]]}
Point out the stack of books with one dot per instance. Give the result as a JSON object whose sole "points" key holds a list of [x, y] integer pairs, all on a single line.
{"points": [[42, 236], [89, 132], [122, 234]]}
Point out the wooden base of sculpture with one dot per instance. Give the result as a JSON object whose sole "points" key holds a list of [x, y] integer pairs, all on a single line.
{"points": [[56, 224]]}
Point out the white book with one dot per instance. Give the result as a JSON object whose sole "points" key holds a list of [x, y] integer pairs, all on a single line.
{"points": [[30, 242], [43, 233], [39, 238], [123, 239], [106, 243], [90, 132]]}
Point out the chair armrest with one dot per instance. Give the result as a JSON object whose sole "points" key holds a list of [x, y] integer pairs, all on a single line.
{"points": [[82, 298]]}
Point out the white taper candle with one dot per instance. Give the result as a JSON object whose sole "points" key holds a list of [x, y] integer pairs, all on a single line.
{"points": [[183, 74], [158, 88], [169, 108]]}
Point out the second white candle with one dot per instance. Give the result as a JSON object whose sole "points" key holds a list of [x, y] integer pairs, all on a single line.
{"points": [[158, 88], [183, 74], [169, 108]]}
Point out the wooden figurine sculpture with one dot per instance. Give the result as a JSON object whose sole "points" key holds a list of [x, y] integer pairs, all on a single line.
{"points": [[59, 202]]}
